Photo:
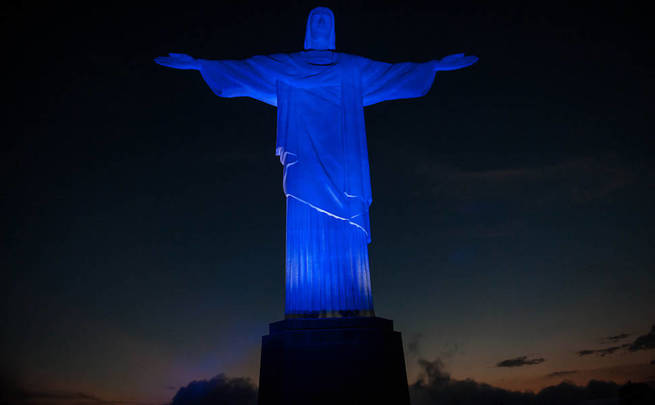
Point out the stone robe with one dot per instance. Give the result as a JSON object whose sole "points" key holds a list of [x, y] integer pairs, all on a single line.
{"points": [[321, 140]]}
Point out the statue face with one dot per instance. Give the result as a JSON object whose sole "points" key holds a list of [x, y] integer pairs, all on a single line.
{"points": [[321, 24]]}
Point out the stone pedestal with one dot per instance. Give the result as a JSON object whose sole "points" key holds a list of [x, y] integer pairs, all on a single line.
{"points": [[333, 361]]}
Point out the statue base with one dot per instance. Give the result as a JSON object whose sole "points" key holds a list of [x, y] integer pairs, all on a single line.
{"points": [[333, 361]]}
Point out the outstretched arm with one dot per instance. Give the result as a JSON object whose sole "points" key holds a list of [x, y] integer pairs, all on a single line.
{"points": [[454, 62], [392, 81], [253, 77], [178, 61]]}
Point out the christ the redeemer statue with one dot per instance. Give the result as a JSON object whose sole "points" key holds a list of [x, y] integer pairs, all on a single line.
{"points": [[320, 95]]}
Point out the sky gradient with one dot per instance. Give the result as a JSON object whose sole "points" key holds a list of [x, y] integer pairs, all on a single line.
{"points": [[143, 241]]}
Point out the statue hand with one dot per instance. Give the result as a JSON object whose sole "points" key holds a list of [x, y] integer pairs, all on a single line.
{"points": [[178, 61], [454, 62]]}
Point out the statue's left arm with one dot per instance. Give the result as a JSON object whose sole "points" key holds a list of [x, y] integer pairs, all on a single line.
{"points": [[392, 81]]}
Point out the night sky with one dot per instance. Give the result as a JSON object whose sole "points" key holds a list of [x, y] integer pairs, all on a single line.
{"points": [[143, 217]]}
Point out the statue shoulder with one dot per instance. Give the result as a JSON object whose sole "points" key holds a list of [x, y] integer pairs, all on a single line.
{"points": [[341, 56], [354, 61]]}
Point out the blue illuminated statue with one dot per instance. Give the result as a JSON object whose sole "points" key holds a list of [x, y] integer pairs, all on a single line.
{"points": [[320, 95]]}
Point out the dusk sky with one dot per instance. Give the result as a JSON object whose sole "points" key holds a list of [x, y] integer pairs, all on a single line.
{"points": [[513, 233]]}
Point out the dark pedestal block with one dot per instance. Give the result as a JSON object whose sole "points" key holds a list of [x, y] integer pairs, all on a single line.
{"points": [[333, 361]]}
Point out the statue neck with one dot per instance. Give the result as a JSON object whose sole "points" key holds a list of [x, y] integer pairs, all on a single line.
{"points": [[320, 44], [320, 56]]}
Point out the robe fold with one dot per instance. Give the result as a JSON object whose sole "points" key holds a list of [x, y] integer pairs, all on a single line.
{"points": [[321, 140]]}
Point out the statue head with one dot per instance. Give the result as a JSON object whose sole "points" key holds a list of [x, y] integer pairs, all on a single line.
{"points": [[319, 34]]}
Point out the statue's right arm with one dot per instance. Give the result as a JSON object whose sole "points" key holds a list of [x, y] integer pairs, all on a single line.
{"points": [[178, 61], [453, 62], [253, 77]]}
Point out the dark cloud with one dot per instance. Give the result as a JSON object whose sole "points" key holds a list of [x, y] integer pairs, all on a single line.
{"points": [[436, 387], [644, 342], [615, 339], [219, 390], [520, 361], [413, 344], [63, 395], [602, 352], [585, 352], [13, 392], [17, 395], [561, 373], [569, 393], [639, 393], [433, 372]]}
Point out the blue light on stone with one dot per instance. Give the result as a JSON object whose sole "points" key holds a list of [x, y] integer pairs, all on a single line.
{"points": [[320, 95]]}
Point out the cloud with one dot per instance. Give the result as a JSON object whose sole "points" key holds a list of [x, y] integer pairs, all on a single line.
{"points": [[414, 344], [219, 390], [569, 393], [520, 361], [585, 352], [63, 395], [12, 392], [436, 387], [22, 396], [602, 352], [433, 372], [615, 339], [644, 342], [561, 373]]}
